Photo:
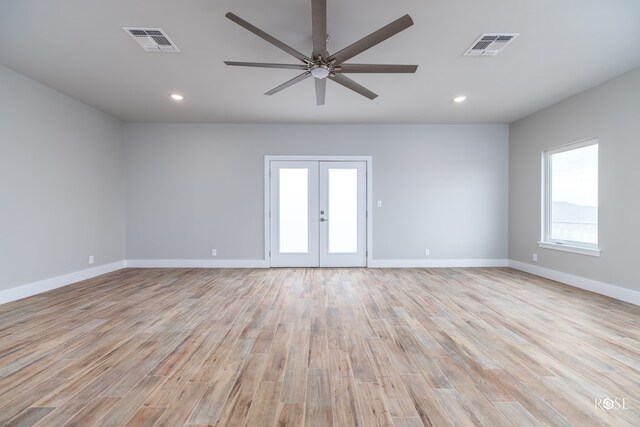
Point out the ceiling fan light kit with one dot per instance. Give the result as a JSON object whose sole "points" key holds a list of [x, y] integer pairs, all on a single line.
{"points": [[320, 71], [322, 65]]}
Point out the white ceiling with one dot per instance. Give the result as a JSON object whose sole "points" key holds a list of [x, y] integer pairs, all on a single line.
{"points": [[79, 48]]}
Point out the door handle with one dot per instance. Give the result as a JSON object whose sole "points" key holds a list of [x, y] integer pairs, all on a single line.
{"points": [[324, 220]]}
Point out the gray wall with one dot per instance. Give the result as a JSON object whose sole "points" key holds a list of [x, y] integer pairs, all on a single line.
{"points": [[194, 187], [61, 183], [610, 112]]}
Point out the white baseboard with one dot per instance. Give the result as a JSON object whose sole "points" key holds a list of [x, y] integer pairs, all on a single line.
{"points": [[260, 263], [609, 290], [435, 263], [617, 292], [197, 263], [34, 288], [45, 285]]}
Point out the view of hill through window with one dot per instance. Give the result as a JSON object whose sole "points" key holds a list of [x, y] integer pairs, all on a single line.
{"points": [[574, 195]]}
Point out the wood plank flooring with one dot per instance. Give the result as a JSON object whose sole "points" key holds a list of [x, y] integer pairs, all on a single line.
{"points": [[318, 347]]}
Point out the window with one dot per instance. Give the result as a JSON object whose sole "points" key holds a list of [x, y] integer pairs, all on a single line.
{"points": [[570, 188]]}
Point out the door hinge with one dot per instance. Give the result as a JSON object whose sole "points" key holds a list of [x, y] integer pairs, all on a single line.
{"points": [[269, 254]]}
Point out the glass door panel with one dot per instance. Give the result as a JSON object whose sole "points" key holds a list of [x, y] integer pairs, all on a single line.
{"points": [[342, 210], [293, 221]]}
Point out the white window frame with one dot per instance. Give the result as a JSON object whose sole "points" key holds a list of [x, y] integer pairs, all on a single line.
{"points": [[546, 241]]}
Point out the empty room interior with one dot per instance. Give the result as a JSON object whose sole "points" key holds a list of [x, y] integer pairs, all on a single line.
{"points": [[319, 213]]}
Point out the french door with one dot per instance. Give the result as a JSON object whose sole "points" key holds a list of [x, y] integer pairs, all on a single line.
{"points": [[318, 213]]}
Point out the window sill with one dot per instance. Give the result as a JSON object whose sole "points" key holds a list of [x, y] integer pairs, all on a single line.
{"points": [[569, 248]]}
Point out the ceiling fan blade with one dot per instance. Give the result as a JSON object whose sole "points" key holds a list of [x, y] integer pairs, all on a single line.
{"points": [[348, 83], [372, 39], [267, 65], [319, 27], [258, 32], [375, 68], [291, 82], [321, 89]]}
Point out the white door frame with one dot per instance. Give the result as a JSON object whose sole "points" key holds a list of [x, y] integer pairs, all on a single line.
{"points": [[267, 195]]}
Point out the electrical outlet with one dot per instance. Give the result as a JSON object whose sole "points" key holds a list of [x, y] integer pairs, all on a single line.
{"points": [[426, 252], [91, 259], [535, 257], [214, 252]]}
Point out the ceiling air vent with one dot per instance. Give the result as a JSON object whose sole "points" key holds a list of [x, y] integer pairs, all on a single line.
{"points": [[489, 44], [152, 39]]}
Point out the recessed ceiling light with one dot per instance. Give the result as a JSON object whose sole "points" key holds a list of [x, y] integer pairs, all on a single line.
{"points": [[177, 97], [460, 98]]}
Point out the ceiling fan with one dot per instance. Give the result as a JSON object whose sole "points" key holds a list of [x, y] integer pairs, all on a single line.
{"points": [[322, 65]]}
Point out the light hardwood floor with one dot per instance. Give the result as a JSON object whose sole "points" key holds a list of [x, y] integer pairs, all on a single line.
{"points": [[318, 347]]}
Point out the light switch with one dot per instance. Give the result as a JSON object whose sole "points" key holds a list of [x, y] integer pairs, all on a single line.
{"points": [[379, 203]]}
